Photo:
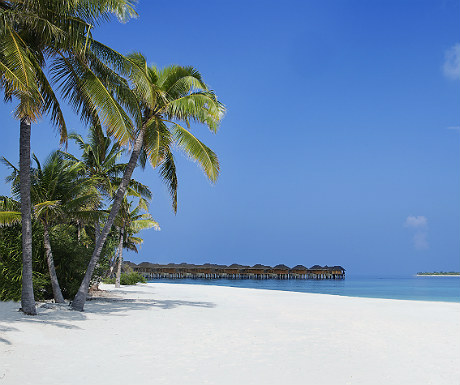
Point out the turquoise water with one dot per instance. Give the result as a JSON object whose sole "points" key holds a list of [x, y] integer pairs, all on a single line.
{"points": [[445, 289]]}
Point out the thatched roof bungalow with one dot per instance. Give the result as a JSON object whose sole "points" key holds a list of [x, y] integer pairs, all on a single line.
{"points": [[236, 271]]}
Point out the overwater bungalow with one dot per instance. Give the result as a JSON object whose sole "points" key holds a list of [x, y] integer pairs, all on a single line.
{"points": [[299, 272], [235, 271], [281, 272]]}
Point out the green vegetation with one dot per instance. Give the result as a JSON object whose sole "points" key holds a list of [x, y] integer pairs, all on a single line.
{"points": [[440, 273], [130, 221], [127, 279], [70, 257], [75, 217], [48, 46], [160, 101], [67, 207]]}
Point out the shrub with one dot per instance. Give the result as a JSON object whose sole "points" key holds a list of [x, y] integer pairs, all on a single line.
{"points": [[127, 279], [71, 256], [11, 264]]}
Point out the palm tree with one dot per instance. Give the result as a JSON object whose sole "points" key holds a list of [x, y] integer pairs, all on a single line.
{"points": [[33, 33], [10, 213], [100, 159], [59, 194], [130, 222], [164, 98]]}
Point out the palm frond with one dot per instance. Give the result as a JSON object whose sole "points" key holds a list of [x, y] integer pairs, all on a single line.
{"points": [[201, 107], [197, 151], [9, 218], [46, 206], [168, 175]]}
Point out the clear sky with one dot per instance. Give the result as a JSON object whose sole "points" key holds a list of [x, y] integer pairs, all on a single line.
{"points": [[341, 144]]}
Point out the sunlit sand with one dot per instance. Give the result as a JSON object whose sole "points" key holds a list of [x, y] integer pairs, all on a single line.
{"points": [[192, 334]]}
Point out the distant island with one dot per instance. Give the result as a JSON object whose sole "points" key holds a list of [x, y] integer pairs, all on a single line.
{"points": [[440, 273]]}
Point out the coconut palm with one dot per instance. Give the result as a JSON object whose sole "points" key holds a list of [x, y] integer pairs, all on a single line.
{"points": [[10, 211], [130, 221], [100, 158], [59, 194], [166, 100], [32, 35]]}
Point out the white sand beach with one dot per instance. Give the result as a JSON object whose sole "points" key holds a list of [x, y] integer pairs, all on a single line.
{"points": [[193, 334]]}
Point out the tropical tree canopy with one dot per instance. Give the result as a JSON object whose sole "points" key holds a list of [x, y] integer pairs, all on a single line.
{"points": [[58, 35], [170, 99]]}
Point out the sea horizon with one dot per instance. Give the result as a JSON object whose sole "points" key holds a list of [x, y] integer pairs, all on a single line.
{"points": [[400, 287]]}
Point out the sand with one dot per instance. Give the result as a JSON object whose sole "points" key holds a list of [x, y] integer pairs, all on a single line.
{"points": [[194, 334]]}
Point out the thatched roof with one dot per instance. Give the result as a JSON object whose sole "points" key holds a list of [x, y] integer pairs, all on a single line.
{"points": [[208, 265], [260, 266], [129, 263], [185, 265], [299, 267], [148, 264], [236, 266], [281, 267]]}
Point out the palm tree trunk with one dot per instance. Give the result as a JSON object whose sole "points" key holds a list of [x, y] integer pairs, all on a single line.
{"points": [[58, 297], [97, 230], [80, 298], [113, 261], [108, 273], [27, 296], [120, 259]]}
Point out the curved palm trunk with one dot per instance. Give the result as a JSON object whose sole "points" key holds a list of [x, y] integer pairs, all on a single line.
{"points": [[120, 259], [80, 298], [97, 230], [108, 273], [57, 293], [113, 262], [27, 295]]}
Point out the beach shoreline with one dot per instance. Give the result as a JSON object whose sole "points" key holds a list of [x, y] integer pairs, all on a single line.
{"points": [[196, 334]]}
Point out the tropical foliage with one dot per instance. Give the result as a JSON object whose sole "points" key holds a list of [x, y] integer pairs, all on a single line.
{"points": [[40, 37], [66, 204], [59, 195], [165, 101], [130, 278], [48, 55], [130, 221]]}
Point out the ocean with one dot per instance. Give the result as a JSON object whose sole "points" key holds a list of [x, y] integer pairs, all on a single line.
{"points": [[432, 288]]}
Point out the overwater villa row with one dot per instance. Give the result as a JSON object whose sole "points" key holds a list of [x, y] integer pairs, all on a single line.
{"points": [[235, 271]]}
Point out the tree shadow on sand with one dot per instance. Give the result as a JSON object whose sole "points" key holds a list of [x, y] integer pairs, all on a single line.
{"points": [[116, 305], [60, 315]]}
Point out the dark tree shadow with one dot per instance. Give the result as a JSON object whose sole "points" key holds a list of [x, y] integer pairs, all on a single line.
{"points": [[115, 305], [61, 315]]}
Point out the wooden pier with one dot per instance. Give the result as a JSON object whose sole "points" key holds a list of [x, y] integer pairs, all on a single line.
{"points": [[211, 271]]}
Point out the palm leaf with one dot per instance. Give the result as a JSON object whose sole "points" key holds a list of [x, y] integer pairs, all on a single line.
{"points": [[168, 175], [197, 151], [9, 218]]}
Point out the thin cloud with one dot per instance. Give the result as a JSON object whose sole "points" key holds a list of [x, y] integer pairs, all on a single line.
{"points": [[455, 128], [413, 221], [420, 226], [451, 67]]}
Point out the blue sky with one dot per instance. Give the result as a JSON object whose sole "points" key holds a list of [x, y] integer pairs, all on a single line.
{"points": [[341, 144]]}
